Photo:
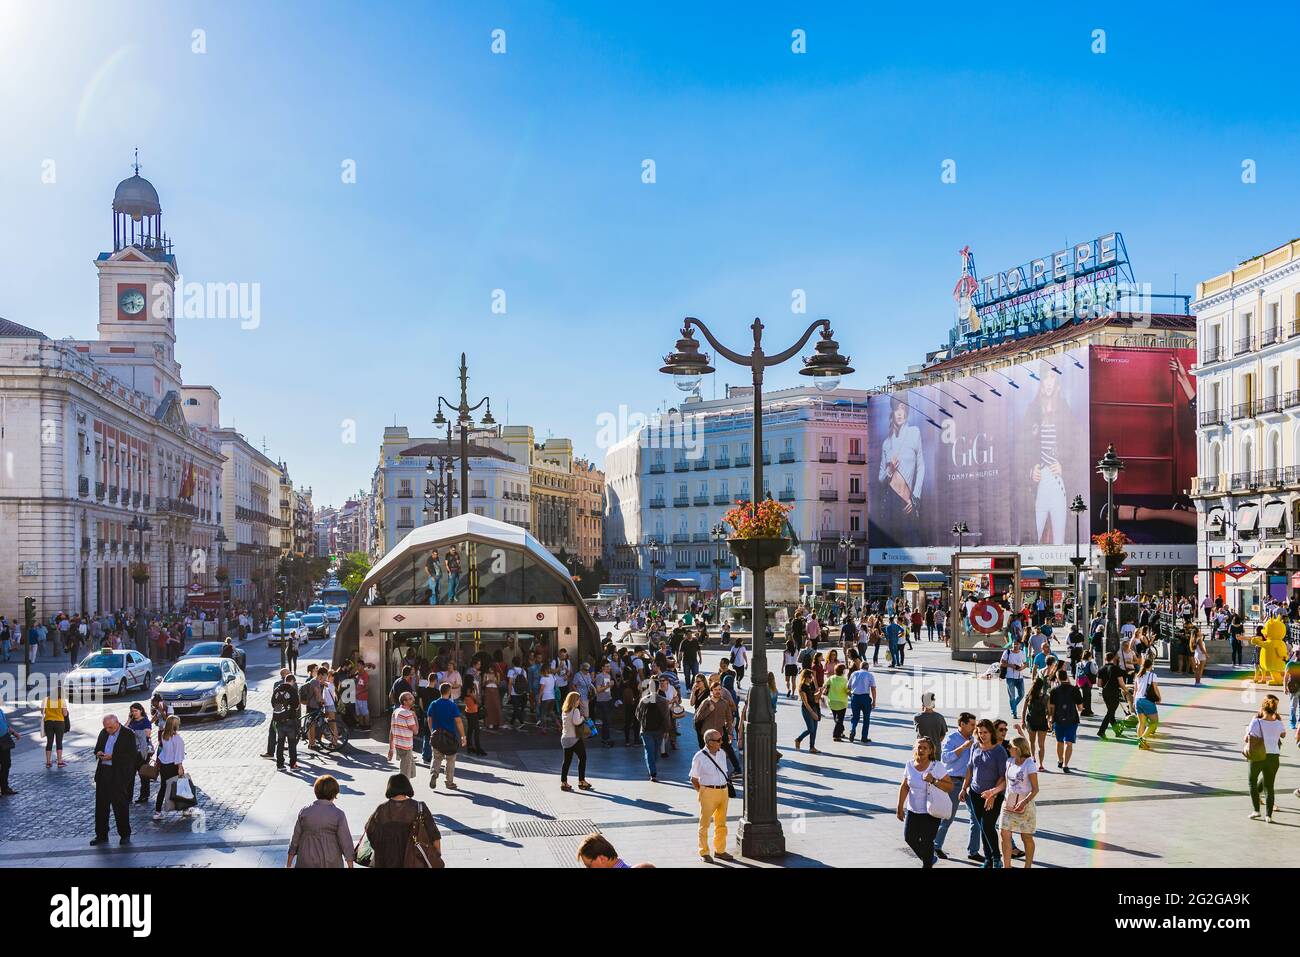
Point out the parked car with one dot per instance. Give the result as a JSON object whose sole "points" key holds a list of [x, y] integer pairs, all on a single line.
{"points": [[204, 687], [212, 649], [110, 672]]}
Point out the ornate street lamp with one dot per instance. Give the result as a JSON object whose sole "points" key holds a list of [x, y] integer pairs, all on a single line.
{"points": [[1078, 508], [221, 617], [1110, 466], [961, 530], [462, 409], [718, 534], [759, 834], [140, 525]]}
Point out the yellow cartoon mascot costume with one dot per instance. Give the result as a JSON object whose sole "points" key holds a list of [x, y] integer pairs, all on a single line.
{"points": [[1272, 653]]}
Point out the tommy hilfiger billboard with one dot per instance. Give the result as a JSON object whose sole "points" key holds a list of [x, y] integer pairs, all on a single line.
{"points": [[1080, 282]]}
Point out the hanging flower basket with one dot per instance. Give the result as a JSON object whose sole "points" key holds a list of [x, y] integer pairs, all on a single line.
{"points": [[763, 519], [139, 572], [222, 573], [1112, 545], [1112, 562], [759, 554]]}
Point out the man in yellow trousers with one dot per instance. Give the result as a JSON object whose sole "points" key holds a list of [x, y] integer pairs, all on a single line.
{"points": [[710, 782]]}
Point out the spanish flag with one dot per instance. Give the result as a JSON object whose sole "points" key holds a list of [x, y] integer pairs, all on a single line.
{"points": [[187, 482]]}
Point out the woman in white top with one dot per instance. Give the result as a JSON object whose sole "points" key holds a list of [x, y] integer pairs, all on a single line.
{"points": [[170, 760], [573, 729], [1019, 813], [1265, 752], [739, 659], [1199, 656], [1146, 695], [546, 697], [919, 826]]}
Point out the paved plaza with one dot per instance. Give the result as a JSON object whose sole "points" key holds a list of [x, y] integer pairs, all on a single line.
{"points": [[1185, 803]]}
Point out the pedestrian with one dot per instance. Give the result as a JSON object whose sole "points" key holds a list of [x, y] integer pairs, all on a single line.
{"points": [[894, 634], [402, 728], [603, 684], [1035, 725], [739, 658], [115, 770], [573, 732], [596, 853], [652, 719], [491, 697], [1291, 682], [1146, 695], [473, 718], [56, 721], [1085, 676], [1011, 667], [401, 831], [170, 758], [955, 757], [446, 734], [1200, 656], [1019, 814], [984, 785], [929, 723], [862, 698], [1263, 750], [270, 726], [1113, 690], [291, 648], [717, 712], [1063, 704], [713, 789], [837, 699], [810, 710], [9, 738], [321, 836], [790, 665], [139, 725], [546, 698], [919, 775], [286, 714], [1235, 631]]}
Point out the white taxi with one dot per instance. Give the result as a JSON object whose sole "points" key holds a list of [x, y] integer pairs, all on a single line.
{"points": [[110, 671]]}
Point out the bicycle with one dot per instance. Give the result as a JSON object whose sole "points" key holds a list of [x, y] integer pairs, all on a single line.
{"points": [[317, 720]]}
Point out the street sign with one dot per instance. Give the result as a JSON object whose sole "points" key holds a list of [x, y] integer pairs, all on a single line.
{"points": [[237, 582], [196, 588], [987, 617], [1237, 569]]}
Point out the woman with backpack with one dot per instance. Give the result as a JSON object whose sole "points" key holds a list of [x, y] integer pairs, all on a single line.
{"points": [[1146, 695]]}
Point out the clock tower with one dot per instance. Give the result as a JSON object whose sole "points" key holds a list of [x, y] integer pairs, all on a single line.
{"points": [[137, 283]]}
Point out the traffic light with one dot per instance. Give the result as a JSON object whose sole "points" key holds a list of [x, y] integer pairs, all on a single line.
{"points": [[29, 611], [280, 595]]}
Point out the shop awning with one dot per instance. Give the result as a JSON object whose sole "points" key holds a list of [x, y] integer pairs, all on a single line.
{"points": [[1266, 557], [924, 581], [1274, 515], [1247, 518]]}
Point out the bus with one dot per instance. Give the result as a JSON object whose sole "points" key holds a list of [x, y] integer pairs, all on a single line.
{"points": [[334, 596]]}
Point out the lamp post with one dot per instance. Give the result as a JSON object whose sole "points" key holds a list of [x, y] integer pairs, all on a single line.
{"points": [[465, 421], [718, 534], [139, 525], [960, 529], [759, 834], [1078, 508], [1110, 466], [221, 615], [844, 545]]}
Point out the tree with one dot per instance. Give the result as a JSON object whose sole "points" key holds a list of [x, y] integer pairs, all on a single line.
{"points": [[352, 570]]}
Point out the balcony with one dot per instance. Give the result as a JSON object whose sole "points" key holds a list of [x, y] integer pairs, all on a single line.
{"points": [[723, 463], [703, 562], [1212, 353], [682, 465], [100, 489], [1270, 336], [742, 462], [1242, 410], [786, 458], [83, 486], [829, 534], [701, 464], [1269, 403], [786, 495], [656, 503], [657, 468], [828, 456], [1208, 484], [722, 498], [857, 498], [135, 499], [405, 523], [1291, 475], [828, 495], [767, 458], [857, 458], [1240, 482], [177, 506], [478, 493], [700, 537], [1267, 478], [680, 538], [405, 493], [701, 500], [1295, 327], [1291, 399], [146, 499], [681, 501], [112, 493], [1242, 346], [1213, 417]]}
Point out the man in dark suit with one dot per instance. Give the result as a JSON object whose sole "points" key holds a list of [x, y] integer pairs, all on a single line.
{"points": [[119, 759]]}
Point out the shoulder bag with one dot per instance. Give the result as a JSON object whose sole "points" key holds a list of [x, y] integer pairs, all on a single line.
{"points": [[1254, 749], [420, 853], [938, 802], [731, 788]]}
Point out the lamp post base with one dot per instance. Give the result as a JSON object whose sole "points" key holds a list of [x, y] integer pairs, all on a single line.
{"points": [[761, 840]]}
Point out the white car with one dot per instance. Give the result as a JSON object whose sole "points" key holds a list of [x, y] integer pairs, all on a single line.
{"points": [[333, 613], [111, 672], [279, 632]]}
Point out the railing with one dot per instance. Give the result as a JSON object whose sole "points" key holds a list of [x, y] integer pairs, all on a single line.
{"points": [[657, 468], [656, 503], [857, 498], [700, 537], [1295, 327], [857, 458], [682, 466], [1291, 399], [406, 523], [828, 495], [112, 493], [135, 499], [722, 499], [701, 500], [1207, 483], [405, 493], [1239, 481], [681, 501], [1242, 410], [829, 534], [1291, 475], [83, 486], [786, 495], [829, 457], [767, 458], [478, 493], [680, 538], [1212, 417], [857, 535], [786, 458], [701, 464], [722, 463], [146, 499], [1269, 403], [178, 507], [1270, 336], [1242, 346], [100, 489], [742, 462], [1211, 353], [85, 543], [1266, 478]]}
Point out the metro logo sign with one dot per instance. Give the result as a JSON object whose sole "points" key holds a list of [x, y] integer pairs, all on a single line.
{"points": [[1237, 569]]}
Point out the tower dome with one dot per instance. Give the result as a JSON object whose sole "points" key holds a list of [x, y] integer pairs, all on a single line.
{"points": [[137, 216], [136, 197]]}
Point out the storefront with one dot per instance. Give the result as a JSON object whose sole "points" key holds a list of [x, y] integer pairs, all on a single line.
{"points": [[921, 588], [465, 587]]}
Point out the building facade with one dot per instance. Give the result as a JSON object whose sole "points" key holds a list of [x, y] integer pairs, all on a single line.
{"points": [[1248, 375]]}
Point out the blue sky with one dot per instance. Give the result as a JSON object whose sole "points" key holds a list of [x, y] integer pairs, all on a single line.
{"points": [[522, 172]]}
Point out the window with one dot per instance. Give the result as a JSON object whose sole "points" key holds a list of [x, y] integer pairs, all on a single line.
{"points": [[855, 483]]}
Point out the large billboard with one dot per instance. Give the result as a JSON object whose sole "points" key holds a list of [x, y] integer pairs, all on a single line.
{"points": [[1006, 452]]}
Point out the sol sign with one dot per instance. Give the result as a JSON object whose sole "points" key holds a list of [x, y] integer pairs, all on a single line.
{"points": [[988, 617]]}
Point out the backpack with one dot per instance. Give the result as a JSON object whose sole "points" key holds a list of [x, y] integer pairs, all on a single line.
{"points": [[282, 698], [520, 684]]}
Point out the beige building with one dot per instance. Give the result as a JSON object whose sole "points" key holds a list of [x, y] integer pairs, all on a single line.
{"points": [[566, 494]]}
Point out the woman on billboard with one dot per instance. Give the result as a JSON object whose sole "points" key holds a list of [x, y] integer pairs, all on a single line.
{"points": [[1045, 436], [902, 474]]}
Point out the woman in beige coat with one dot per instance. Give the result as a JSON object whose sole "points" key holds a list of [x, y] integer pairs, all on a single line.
{"points": [[321, 837]]}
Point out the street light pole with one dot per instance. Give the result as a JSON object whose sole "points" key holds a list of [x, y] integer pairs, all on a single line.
{"points": [[759, 834], [719, 535], [1110, 466], [465, 421], [1078, 508]]}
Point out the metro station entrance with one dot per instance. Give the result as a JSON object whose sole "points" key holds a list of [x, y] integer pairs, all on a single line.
{"points": [[428, 646]]}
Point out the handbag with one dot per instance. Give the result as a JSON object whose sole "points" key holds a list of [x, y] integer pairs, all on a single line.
{"points": [[420, 854], [444, 742], [938, 802], [364, 854], [731, 788], [149, 771], [582, 729], [1254, 749], [180, 791]]}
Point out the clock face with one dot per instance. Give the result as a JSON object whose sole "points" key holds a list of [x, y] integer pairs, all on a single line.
{"points": [[131, 302]]}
